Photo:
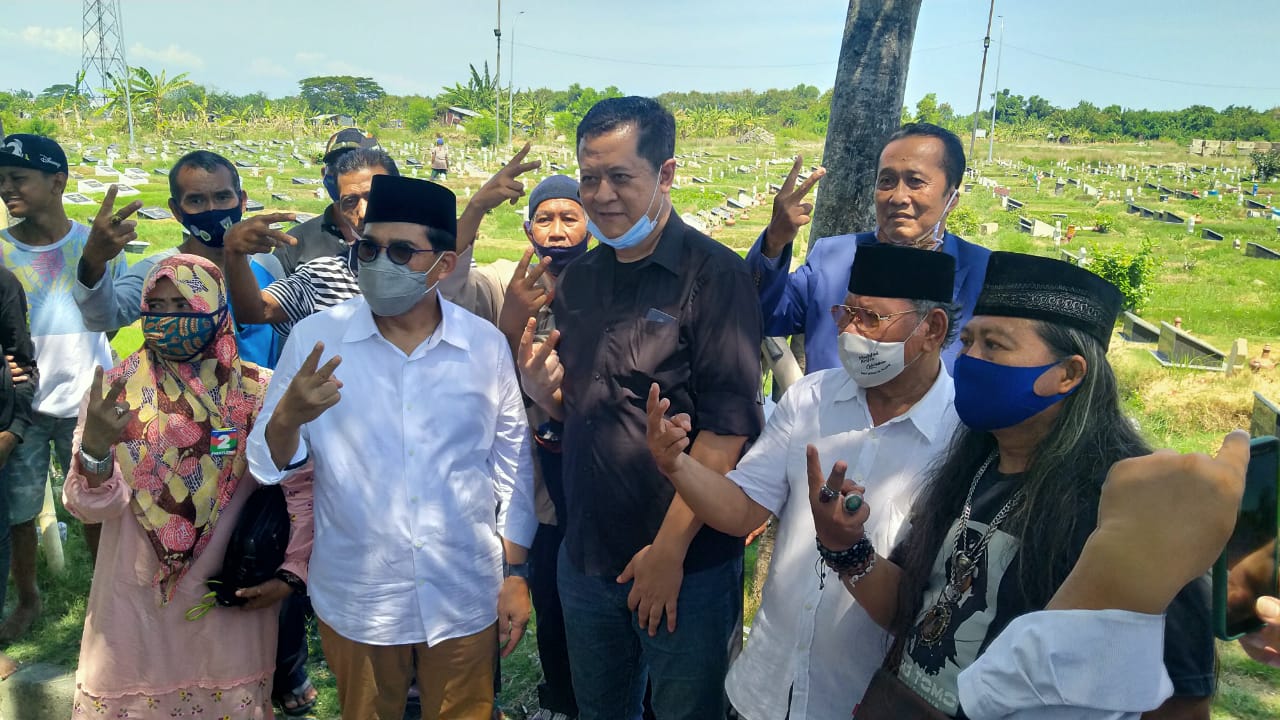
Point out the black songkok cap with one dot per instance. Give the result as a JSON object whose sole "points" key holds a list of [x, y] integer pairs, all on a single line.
{"points": [[893, 271], [1040, 288], [409, 200]]}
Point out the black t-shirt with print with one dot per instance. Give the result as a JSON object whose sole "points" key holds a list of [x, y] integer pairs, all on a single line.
{"points": [[995, 597]]}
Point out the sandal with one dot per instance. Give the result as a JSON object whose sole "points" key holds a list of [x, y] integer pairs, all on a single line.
{"points": [[298, 696]]}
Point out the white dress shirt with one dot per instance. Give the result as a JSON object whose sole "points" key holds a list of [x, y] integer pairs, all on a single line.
{"points": [[818, 645], [410, 467], [1070, 665]]}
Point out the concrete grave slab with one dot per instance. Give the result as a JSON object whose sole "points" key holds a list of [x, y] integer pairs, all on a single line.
{"points": [[254, 206], [1135, 329], [78, 199], [1265, 419], [1208, 234], [1178, 348], [1254, 250], [155, 213]]}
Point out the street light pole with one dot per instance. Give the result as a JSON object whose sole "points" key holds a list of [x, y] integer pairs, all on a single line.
{"points": [[511, 78], [977, 109], [995, 97], [497, 82]]}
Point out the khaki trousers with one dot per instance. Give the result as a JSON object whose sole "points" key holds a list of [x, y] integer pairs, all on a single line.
{"points": [[455, 677]]}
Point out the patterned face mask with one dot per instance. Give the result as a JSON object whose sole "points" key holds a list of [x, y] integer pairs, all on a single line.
{"points": [[183, 336]]}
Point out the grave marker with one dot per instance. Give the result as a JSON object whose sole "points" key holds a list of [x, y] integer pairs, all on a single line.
{"points": [[1208, 234], [1254, 250], [1135, 329], [1178, 348], [1266, 416]]}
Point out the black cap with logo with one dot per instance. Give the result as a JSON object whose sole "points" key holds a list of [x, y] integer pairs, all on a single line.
{"points": [[33, 152]]}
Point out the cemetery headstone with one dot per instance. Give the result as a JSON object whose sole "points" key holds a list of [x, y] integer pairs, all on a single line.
{"points": [[1178, 348], [1135, 329], [1254, 250], [1266, 416], [155, 213]]}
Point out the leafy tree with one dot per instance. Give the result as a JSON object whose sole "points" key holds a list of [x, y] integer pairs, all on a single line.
{"points": [[150, 90], [343, 94], [1266, 165], [927, 110], [421, 115]]}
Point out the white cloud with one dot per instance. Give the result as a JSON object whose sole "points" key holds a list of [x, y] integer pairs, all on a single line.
{"points": [[263, 67], [62, 40], [308, 58], [140, 54]]}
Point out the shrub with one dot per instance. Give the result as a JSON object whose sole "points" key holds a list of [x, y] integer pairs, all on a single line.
{"points": [[482, 128], [962, 221], [1104, 222], [1131, 272], [38, 126]]}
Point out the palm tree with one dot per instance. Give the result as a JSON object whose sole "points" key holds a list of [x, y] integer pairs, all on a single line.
{"points": [[151, 90], [478, 94]]}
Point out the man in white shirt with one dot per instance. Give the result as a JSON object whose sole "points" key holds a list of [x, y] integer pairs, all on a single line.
{"points": [[42, 250], [416, 448], [887, 412]]}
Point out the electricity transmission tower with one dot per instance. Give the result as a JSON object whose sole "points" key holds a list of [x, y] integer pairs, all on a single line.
{"points": [[102, 53]]}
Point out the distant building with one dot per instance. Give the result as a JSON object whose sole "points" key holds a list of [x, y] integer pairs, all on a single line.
{"points": [[334, 119], [457, 115]]}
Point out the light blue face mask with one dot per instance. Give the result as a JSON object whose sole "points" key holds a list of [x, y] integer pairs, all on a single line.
{"points": [[638, 232]]}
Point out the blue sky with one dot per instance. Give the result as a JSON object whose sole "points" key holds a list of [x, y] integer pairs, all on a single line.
{"points": [[1108, 52]]}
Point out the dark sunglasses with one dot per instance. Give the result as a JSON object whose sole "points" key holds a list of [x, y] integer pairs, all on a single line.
{"points": [[399, 252]]}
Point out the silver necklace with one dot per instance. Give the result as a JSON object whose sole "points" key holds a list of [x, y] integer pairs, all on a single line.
{"points": [[964, 560]]}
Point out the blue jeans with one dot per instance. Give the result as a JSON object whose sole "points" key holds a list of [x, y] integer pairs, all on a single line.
{"points": [[6, 542], [29, 464], [612, 659]]}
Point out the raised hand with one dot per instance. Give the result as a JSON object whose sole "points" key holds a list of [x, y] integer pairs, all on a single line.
{"points": [[255, 235], [839, 514], [541, 373], [505, 184], [790, 210], [525, 296], [106, 416], [312, 390], [668, 437], [111, 230]]}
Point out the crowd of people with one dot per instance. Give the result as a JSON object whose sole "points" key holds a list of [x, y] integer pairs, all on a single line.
{"points": [[965, 518]]}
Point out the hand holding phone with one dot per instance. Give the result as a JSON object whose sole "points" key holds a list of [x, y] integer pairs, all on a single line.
{"points": [[1249, 565]]}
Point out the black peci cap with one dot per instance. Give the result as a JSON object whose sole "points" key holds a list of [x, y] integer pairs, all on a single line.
{"points": [[1040, 288], [409, 200], [893, 271]]}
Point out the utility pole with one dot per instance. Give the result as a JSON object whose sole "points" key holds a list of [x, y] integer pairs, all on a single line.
{"points": [[995, 97], [102, 52], [511, 78], [977, 108], [497, 83]]}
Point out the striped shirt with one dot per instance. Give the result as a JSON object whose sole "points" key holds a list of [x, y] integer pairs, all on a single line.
{"points": [[316, 284]]}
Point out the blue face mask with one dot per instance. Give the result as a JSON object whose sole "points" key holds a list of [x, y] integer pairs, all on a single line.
{"points": [[211, 226], [993, 397], [561, 255], [638, 232], [330, 182]]}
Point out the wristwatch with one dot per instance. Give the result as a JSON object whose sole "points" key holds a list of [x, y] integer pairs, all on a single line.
{"points": [[520, 570], [94, 466]]}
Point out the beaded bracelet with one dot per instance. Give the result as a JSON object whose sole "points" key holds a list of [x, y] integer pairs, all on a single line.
{"points": [[851, 564]]}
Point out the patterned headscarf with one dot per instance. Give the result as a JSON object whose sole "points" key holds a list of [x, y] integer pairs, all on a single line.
{"points": [[180, 487]]}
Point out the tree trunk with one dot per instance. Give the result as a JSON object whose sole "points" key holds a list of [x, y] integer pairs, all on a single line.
{"points": [[866, 107]]}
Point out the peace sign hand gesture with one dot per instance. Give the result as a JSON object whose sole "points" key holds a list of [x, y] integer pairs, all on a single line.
{"points": [[790, 212], [111, 230], [525, 296], [540, 370], [505, 184], [311, 391], [106, 416], [255, 235]]}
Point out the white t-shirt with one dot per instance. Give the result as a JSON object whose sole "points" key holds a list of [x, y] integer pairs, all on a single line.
{"points": [[66, 351]]}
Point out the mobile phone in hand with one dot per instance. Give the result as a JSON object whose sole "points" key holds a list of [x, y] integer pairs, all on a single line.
{"points": [[1249, 566]]}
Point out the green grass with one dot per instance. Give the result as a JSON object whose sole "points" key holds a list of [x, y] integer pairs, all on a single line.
{"points": [[1220, 295]]}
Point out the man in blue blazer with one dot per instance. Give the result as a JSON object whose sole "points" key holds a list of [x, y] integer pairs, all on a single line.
{"points": [[917, 185]]}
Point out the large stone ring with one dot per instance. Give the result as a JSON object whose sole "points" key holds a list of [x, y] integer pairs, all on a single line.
{"points": [[852, 503], [826, 495], [119, 411]]}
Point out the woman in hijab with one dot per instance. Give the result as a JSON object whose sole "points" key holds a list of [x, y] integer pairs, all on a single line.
{"points": [[161, 464]]}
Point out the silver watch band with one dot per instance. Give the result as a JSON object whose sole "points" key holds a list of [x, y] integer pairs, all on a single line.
{"points": [[95, 466]]}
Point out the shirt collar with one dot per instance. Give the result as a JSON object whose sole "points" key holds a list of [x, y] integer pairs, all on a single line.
{"points": [[926, 415], [450, 330], [670, 245]]}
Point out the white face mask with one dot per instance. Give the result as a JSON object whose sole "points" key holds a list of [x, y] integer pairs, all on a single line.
{"points": [[872, 363]]}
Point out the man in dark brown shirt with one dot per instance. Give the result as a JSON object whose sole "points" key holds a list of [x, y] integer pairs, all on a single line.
{"points": [[655, 302]]}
